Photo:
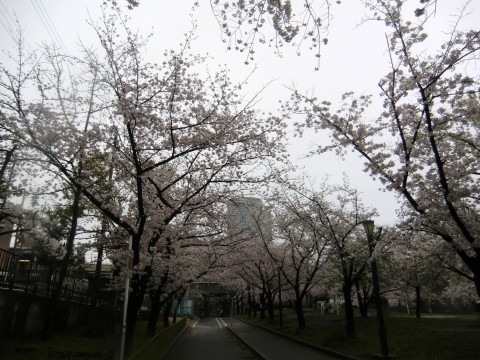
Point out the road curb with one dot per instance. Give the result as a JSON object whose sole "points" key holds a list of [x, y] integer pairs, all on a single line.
{"points": [[316, 347], [172, 344], [252, 348]]}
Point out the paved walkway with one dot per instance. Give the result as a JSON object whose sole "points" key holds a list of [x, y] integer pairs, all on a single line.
{"points": [[271, 346]]}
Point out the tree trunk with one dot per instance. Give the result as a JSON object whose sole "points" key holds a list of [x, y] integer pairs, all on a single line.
{"points": [[300, 315], [476, 281], [179, 302], [155, 308], [242, 303], [262, 306], [57, 292], [271, 316], [98, 270], [362, 302], [406, 304], [418, 300], [166, 314], [349, 316], [135, 302]]}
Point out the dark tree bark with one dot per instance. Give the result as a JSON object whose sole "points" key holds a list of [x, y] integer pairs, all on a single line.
{"points": [[179, 302], [363, 296], [134, 305], [349, 315], [57, 292], [98, 270], [418, 300], [166, 314], [302, 323], [262, 306], [271, 313], [155, 309]]}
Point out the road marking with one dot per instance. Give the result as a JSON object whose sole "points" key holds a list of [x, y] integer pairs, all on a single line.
{"points": [[221, 323], [195, 323]]}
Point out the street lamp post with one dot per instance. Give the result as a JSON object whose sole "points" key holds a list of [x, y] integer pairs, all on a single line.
{"points": [[369, 228]]}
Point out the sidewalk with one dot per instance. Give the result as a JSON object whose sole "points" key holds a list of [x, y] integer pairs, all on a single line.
{"points": [[271, 346]]}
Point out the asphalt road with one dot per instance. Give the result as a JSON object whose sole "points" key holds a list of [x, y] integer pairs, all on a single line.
{"points": [[207, 339]]}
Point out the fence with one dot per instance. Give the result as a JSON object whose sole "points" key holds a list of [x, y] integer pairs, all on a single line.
{"points": [[31, 277]]}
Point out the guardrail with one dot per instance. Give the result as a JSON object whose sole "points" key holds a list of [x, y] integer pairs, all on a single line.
{"points": [[31, 277]]}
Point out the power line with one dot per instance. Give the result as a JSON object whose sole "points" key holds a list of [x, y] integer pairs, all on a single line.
{"points": [[12, 26], [47, 25], [3, 5], [53, 25], [44, 23], [8, 26], [52, 32], [7, 29]]}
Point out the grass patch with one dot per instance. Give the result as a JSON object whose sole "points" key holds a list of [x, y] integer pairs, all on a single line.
{"points": [[62, 346], [440, 338], [154, 347], [85, 343]]}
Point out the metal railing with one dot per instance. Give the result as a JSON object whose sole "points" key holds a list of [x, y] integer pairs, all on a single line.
{"points": [[19, 274]]}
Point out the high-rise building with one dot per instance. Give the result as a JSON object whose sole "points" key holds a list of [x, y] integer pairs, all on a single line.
{"points": [[249, 218]]}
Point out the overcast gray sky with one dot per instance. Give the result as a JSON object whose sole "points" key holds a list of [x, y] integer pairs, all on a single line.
{"points": [[354, 59]]}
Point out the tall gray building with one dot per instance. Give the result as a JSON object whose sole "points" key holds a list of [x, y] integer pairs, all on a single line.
{"points": [[249, 218]]}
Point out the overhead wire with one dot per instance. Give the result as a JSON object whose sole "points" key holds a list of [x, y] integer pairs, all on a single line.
{"points": [[49, 25], [12, 27], [8, 26], [53, 26], [45, 25], [51, 30], [3, 5]]}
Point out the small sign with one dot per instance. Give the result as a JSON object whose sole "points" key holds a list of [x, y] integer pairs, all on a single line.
{"points": [[232, 293]]}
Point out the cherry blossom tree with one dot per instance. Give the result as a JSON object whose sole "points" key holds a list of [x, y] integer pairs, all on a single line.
{"points": [[246, 24], [340, 218], [177, 141], [418, 265], [336, 213], [424, 264], [424, 144], [15, 106], [8, 150], [13, 157], [299, 248], [459, 295], [303, 25], [193, 246], [250, 224]]}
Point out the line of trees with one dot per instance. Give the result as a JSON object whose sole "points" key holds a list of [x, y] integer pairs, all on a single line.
{"points": [[423, 145], [157, 153], [314, 248], [153, 151]]}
